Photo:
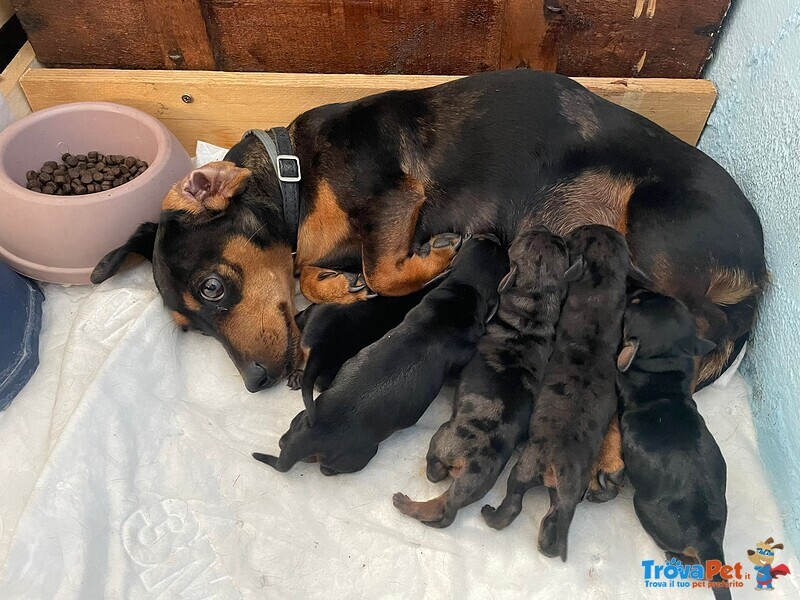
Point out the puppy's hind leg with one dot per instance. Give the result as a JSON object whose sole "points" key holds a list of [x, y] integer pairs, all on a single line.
{"points": [[554, 528], [521, 479], [427, 511]]}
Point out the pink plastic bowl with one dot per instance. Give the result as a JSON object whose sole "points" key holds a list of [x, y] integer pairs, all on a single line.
{"points": [[61, 238]]}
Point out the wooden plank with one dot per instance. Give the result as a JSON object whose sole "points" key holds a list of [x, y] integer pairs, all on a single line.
{"points": [[356, 36], [530, 35], [10, 88], [6, 11], [611, 38], [180, 29], [83, 33], [225, 105]]}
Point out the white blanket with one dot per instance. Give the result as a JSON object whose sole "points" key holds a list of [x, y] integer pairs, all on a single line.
{"points": [[126, 473]]}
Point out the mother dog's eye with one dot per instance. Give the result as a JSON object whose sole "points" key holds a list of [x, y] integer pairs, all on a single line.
{"points": [[212, 289]]}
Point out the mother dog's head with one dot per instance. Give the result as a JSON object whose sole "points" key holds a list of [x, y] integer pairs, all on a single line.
{"points": [[222, 261]]}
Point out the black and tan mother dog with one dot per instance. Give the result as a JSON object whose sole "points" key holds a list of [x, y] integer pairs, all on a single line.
{"points": [[381, 176]]}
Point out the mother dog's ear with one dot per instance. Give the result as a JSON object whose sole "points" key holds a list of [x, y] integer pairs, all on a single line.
{"points": [[141, 243], [207, 190]]}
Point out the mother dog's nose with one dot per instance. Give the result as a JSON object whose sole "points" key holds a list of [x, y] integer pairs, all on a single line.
{"points": [[256, 378]]}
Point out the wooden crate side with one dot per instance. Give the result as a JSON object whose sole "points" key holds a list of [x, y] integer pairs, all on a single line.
{"points": [[10, 88], [146, 34], [225, 105], [346, 36], [649, 38]]}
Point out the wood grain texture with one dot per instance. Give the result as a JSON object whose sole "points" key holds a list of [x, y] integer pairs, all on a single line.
{"points": [[356, 36], [180, 29], [225, 105], [10, 88], [6, 11], [530, 34], [141, 34], [610, 38]]}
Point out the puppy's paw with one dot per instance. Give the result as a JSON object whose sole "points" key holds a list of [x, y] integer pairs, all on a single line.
{"points": [[605, 486], [295, 379], [446, 242], [492, 517], [436, 470]]}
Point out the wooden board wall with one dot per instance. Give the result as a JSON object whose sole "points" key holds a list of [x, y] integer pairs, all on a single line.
{"points": [[615, 38], [222, 106]]}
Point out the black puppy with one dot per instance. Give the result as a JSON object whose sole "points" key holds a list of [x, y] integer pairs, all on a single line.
{"points": [[578, 397], [494, 398], [388, 385], [672, 460], [334, 333]]}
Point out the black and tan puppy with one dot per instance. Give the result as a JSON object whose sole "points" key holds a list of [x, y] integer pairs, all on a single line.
{"points": [[672, 460], [388, 385], [578, 397], [495, 395], [334, 333]]}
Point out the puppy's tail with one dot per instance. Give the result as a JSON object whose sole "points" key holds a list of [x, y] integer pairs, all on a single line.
{"points": [[312, 370], [272, 461]]}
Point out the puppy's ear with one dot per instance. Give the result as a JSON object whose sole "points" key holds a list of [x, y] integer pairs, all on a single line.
{"points": [[208, 189], [575, 270], [703, 346], [508, 281], [141, 243], [777, 546], [769, 540], [629, 349], [638, 280]]}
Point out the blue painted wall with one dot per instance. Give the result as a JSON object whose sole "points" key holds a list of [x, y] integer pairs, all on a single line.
{"points": [[754, 132]]}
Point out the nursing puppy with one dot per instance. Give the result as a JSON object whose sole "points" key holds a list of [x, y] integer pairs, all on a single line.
{"points": [[494, 398], [334, 333], [672, 460], [578, 397], [388, 385]]}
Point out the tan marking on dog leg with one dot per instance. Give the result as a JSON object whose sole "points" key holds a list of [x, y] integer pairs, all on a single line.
{"points": [[713, 364], [593, 197], [730, 286], [324, 286], [388, 268], [325, 228], [610, 458]]}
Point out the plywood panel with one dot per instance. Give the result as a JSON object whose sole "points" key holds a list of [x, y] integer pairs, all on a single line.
{"points": [[224, 105]]}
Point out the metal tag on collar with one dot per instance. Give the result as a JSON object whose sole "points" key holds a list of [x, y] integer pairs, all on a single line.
{"points": [[288, 164]]}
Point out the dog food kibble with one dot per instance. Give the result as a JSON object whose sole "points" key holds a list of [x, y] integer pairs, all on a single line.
{"points": [[84, 173]]}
